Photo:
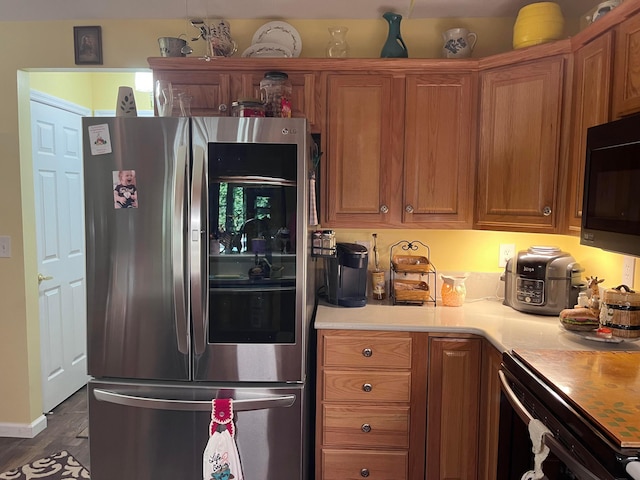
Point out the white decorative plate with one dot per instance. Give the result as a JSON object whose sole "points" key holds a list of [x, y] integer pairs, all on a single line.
{"points": [[591, 336], [267, 50], [279, 32]]}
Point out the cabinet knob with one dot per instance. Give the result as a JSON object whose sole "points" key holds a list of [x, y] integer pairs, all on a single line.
{"points": [[408, 209], [366, 428], [384, 209], [546, 211], [367, 387], [222, 107], [364, 472], [367, 352]]}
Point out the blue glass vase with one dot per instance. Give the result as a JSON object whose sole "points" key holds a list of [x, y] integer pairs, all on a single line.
{"points": [[394, 47]]}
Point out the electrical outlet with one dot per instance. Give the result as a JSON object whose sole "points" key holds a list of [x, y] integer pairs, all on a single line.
{"points": [[5, 246], [628, 270], [507, 250]]}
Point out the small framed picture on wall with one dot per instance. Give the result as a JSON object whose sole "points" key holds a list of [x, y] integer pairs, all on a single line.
{"points": [[87, 43]]}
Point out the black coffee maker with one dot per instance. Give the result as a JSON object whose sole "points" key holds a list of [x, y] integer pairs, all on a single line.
{"points": [[346, 275]]}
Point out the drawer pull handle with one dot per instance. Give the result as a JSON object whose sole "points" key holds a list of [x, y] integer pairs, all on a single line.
{"points": [[367, 352], [364, 472], [366, 428], [367, 387]]}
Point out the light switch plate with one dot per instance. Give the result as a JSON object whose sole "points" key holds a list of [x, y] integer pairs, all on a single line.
{"points": [[5, 246]]}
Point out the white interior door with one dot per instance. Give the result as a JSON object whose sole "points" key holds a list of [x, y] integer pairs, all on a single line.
{"points": [[56, 132]]}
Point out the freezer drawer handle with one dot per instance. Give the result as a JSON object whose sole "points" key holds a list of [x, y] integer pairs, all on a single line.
{"points": [[258, 403]]}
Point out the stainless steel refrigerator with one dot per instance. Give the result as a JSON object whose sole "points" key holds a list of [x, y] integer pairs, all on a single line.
{"points": [[199, 286]]}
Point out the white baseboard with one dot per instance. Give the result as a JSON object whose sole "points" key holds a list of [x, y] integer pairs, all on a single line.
{"points": [[22, 430]]}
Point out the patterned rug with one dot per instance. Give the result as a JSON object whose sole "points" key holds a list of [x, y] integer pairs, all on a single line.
{"points": [[59, 466]]}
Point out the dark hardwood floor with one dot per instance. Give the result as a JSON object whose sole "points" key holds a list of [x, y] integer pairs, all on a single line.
{"points": [[66, 430]]}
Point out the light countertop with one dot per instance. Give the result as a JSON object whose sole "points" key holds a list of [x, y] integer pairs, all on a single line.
{"points": [[504, 327]]}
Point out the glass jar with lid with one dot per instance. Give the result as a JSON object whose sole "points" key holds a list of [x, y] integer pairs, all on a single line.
{"points": [[247, 107], [275, 92]]}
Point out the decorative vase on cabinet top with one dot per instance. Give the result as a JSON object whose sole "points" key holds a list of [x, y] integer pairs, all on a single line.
{"points": [[458, 43], [338, 46], [538, 23], [394, 47]]}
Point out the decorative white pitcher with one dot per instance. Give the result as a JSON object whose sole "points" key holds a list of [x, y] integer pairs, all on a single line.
{"points": [[458, 43]]}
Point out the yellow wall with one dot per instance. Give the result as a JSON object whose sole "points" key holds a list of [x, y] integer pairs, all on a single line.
{"points": [[94, 90], [477, 251], [48, 46]]}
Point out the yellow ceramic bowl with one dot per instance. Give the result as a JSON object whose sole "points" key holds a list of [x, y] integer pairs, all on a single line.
{"points": [[538, 23]]}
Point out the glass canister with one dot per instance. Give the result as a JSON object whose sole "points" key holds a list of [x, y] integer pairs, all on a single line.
{"points": [[275, 92], [247, 107]]}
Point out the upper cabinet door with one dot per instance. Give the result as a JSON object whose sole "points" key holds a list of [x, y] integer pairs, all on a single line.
{"points": [[303, 93], [591, 104], [360, 153], [210, 91], [626, 92], [440, 133], [519, 146]]}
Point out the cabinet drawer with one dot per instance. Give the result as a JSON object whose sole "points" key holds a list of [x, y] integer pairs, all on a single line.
{"points": [[365, 386], [359, 464], [366, 426], [359, 352]]}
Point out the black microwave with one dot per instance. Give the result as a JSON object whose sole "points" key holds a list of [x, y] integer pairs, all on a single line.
{"points": [[611, 202]]}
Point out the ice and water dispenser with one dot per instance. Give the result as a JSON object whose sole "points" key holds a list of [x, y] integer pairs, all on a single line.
{"points": [[346, 275]]}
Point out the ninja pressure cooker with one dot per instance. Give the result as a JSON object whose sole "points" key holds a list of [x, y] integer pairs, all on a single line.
{"points": [[542, 280]]}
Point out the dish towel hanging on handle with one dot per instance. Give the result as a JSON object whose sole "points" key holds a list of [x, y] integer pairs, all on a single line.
{"points": [[537, 430], [220, 460]]}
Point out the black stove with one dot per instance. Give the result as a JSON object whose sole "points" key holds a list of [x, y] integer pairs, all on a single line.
{"points": [[580, 449]]}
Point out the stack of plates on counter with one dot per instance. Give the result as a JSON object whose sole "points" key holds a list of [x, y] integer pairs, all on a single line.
{"points": [[275, 39]]}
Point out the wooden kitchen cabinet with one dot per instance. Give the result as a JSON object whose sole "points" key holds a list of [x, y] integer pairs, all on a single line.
{"points": [[519, 146], [371, 404], [626, 83], [439, 151], [591, 104], [214, 85], [400, 149], [489, 412], [364, 120], [211, 92], [453, 408]]}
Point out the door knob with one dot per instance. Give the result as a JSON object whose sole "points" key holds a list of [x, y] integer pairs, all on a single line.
{"points": [[41, 277]]}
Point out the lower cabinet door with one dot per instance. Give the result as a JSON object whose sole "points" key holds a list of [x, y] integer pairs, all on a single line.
{"points": [[369, 464]]}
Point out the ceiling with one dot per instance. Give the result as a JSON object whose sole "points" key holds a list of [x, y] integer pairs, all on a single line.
{"points": [[39, 10]]}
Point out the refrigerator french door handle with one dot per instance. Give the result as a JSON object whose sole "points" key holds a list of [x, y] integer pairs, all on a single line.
{"points": [[177, 253], [197, 232], [245, 405], [253, 290]]}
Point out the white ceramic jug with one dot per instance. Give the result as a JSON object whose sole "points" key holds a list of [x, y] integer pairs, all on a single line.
{"points": [[458, 43]]}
